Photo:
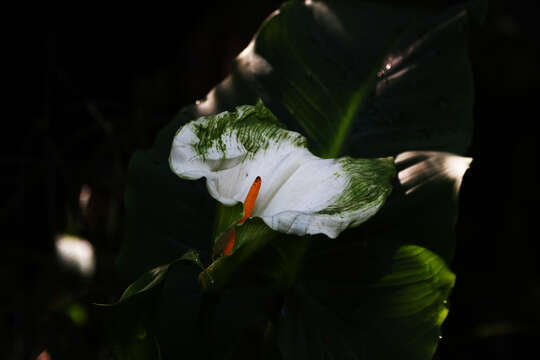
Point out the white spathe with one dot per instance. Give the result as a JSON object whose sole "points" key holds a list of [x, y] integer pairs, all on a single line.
{"points": [[300, 193]]}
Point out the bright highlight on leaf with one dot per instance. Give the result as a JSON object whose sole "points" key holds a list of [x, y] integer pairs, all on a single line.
{"points": [[303, 194]]}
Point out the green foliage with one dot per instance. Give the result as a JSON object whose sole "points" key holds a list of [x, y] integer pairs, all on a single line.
{"points": [[131, 323], [358, 79], [372, 300]]}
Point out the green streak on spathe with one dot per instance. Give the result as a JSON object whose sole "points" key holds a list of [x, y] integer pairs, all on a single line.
{"points": [[254, 126], [369, 185]]}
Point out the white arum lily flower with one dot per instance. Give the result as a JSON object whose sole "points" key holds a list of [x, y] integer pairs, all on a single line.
{"points": [[299, 193]]}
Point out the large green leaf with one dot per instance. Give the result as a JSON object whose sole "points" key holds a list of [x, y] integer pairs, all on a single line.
{"points": [[391, 78], [377, 300], [359, 79]]}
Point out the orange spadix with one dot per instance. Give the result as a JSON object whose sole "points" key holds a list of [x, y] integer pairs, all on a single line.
{"points": [[249, 204]]}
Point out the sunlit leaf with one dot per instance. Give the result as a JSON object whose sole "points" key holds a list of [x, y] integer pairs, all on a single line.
{"points": [[384, 301]]}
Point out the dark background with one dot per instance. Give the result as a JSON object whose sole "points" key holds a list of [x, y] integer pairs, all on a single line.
{"points": [[89, 90]]}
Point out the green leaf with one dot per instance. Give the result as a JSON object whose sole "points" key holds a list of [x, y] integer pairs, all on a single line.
{"points": [[380, 300], [131, 322], [364, 79], [423, 96], [321, 80], [263, 266], [156, 276]]}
